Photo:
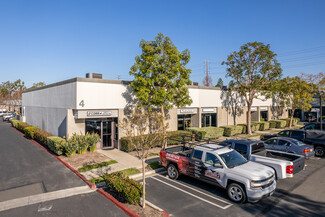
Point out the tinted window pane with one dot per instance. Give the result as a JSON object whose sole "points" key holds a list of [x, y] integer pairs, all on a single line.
{"points": [[197, 155], [284, 133], [211, 159], [257, 147], [242, 149], [297, 133], [282, 142], [271, 142]]}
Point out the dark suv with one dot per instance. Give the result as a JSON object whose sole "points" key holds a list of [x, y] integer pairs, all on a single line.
{"points": [[313, 126]]}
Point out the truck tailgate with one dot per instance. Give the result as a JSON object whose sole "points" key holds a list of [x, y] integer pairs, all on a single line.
{"points": [[298, 165]]}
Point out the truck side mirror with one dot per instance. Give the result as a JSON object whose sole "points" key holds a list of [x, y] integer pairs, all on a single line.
{"points": [[217, 165]]}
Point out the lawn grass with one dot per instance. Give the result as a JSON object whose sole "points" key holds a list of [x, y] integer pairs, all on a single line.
{"points": [[96, 180], [94, 166], [250, 136], [154, 165], [130, 171]]}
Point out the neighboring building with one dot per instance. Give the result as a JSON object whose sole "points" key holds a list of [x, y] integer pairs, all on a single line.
{"points": [[11, 105], [81, 105]]}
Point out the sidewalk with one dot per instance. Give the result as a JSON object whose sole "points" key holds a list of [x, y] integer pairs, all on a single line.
{"points": [[124, 160]]}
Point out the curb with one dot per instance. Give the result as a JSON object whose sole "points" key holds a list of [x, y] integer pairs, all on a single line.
{"points": [[157, 208], [91, 185], [117, 203], [139, 175]]}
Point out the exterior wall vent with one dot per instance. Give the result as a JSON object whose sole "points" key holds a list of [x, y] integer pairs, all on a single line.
{"points": [[94, 75]]}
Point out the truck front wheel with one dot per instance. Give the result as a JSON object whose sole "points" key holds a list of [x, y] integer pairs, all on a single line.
{"points": [[172, 171], [319, 151], [236, 193]]}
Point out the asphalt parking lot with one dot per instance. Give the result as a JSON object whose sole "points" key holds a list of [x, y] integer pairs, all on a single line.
{"points": [[189, 197]]}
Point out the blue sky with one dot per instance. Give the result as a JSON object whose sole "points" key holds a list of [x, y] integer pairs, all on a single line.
{"points": [[54, 40]]}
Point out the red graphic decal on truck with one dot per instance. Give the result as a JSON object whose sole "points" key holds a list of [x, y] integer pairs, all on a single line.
{"points": [[172, 157], [211, 174]]}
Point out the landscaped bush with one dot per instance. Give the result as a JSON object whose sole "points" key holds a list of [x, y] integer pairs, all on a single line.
{"points": [[55, 144], [295, 121], [125, 187], [92, 139], [29, 132], [22, 125], [14, 122], [69, 147], [232, 130], [272, 124], [41, 136], [126, 145], [255, 126], [244, 128], [199, 133], [177, 136], [280, 123], [264, 125]]}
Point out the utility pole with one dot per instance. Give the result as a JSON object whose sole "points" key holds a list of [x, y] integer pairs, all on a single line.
{"points": [[207, 73], [320, 110]]}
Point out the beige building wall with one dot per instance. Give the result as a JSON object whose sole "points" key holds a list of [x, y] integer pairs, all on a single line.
{"points": [[277, 112], [74, 125], [171, 119], [226, 117]]}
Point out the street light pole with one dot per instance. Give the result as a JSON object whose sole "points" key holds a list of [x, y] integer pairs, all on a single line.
{"points": [[320, 111]]}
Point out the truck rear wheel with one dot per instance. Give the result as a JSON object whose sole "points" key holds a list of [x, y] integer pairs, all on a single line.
{"points": [[172, 171], [236, 193], [319, 151]]}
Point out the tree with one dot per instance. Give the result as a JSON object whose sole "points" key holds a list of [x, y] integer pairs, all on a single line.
{"points": [[220, 83], [161, 77], [143, 129], [12, 92], [295, 93], [253, 69], [37, 85]]}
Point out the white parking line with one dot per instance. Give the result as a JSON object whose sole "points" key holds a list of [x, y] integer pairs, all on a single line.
{"points": [[196, 190], [207, 201]]}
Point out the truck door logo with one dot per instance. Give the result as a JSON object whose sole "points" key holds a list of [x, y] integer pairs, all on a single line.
{"points": [[211, 174]]}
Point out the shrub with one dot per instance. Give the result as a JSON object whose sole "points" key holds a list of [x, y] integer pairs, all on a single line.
{"points": [[264, 125], [287, 120], [232, 130], [55, 144], [126, 145], [199, 133], [92, 139], [244, 128], [29, 132], [255, 126], [41, 136], [22, 125], [295, 121], [14, 122], [69, 147], [177, 136], [213, 132], [272, 124], [125, 187], [280, 123]]}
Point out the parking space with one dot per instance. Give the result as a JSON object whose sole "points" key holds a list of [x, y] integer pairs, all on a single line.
{"points": [[190, 197]]}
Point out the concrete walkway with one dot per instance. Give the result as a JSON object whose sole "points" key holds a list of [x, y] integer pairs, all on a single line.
{"points": [[124, 160]]}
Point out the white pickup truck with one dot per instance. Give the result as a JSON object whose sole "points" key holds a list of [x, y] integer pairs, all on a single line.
{"points": [[284, 164], [221, 166]]}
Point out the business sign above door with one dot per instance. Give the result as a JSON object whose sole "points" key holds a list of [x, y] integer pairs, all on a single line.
{"points": [[263, 108], [186, 111], [209, 110], [254, 109], [97, 113], [83, 114]]}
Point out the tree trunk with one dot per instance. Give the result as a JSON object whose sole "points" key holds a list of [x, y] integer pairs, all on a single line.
{"points": [[144, 185], [249, 130], [291, 117], [164, 129]]}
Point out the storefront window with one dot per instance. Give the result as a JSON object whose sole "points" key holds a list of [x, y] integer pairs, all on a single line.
{"points": [[264, 116], [209, 120], [183, 121]]}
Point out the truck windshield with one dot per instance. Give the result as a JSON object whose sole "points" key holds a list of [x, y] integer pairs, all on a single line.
{"points": [[232, 159]]}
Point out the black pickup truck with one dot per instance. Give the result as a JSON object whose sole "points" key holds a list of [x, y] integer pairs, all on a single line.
{"points": [[313, 137]]}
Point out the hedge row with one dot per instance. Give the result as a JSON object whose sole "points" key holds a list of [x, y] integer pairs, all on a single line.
{"points": [[206, 132], [126, 188], [177, 137], [232, 130], [58, 145]]}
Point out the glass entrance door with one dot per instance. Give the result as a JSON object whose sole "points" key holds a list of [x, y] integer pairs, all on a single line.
{"points": [[107, 134]]}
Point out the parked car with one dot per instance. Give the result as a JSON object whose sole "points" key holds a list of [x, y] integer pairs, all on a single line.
{"points": [[313, 126], [284, 164], [2, 113], [221, 166], [290, 145], [312, 137], [8, 117]]}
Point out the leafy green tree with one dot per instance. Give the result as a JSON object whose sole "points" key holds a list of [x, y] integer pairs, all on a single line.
{"points": [[253, 68], [220, 83], [160, 76], [37, 85], [143, 129], [12, 91], [295, 93]]}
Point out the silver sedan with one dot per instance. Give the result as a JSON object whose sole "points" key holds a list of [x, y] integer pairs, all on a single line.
{"points": [[290, 145]]}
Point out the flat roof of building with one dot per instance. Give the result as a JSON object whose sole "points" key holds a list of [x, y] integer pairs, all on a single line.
{"points": [[98, 80]]}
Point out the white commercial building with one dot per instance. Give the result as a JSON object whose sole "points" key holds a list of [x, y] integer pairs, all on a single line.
{"points": [[81, 105]]}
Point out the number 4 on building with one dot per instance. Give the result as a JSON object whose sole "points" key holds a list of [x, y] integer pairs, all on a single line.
{"points": [[82, 103]]}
